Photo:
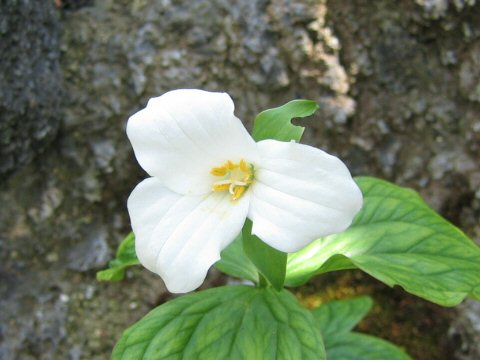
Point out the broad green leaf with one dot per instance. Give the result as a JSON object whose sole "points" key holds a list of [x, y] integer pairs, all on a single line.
{"points": [[355, 346], [235, 263], [337, 318], [124, 258], [271, 263], [232, 322], [476, 293], [277, 123], [399, 240], [340, 316], [337, 262]]}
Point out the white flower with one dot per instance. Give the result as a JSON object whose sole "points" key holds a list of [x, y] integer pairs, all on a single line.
{"points": [[208, 175]]}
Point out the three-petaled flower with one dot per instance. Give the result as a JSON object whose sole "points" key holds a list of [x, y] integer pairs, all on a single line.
{"points": [[208, 175]]}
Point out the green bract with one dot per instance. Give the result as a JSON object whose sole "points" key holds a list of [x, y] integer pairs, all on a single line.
{"points": [[234, 322]]}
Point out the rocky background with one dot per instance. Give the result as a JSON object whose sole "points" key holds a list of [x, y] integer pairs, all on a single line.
{"points": [[398, 83]]}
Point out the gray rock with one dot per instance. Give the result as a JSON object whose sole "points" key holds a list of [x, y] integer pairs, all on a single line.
{"points": [[29, 81], [466, 330], [395, 81], [92, 253]]}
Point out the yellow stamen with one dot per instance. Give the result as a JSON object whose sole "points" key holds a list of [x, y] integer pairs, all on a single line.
{"points": [[219, 171], [220, 187], [230, 165], [236, 178], [238, 192], [244, 166]]}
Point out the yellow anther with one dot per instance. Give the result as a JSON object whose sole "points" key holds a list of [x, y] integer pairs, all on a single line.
{"points": [[219, 171], [230, 165], [238, 192], [236, 178], [220, 187], [244, 166]]}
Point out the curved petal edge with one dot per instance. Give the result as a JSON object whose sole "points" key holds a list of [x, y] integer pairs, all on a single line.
{"points": [[300, 194], [181, 237]]}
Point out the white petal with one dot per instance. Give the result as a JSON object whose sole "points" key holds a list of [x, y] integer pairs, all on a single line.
{"points": [[300, 194], [180, 136], [181, 237]]}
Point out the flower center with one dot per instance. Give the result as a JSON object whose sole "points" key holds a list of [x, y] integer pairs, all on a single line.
{"points": [[236, 178]]}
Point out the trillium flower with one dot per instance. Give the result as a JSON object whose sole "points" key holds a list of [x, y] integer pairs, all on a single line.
{"points": [[208, 175]]}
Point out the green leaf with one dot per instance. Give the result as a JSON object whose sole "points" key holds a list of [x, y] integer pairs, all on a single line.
{"points": [[277, 123], [235, 263], [399, 240], [271, 263], [354, 346], [336, 318], [125, 257], [232, 322], [340, 316]]}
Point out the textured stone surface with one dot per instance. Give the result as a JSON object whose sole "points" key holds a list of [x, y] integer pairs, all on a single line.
{"points": [[466, 330], [29, 81], [396, 81]]}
